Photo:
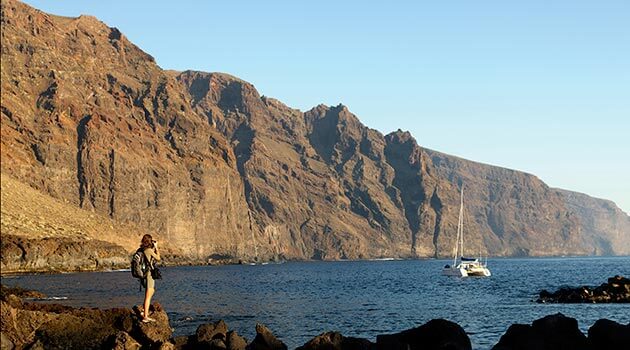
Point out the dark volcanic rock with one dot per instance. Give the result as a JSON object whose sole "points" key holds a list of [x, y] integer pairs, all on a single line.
{"points": [[336, 341], [550, 332], [607, 334], [265, 340], [617, 290], [435, 334], [235, 341], [520, 337], [209, 332], [53, 326], [123, 341]]}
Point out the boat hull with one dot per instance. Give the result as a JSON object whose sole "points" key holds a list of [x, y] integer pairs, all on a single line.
{"points": [[455, 271]]}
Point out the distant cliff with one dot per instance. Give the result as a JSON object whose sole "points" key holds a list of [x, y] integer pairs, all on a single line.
{"points": [[217, 171]]}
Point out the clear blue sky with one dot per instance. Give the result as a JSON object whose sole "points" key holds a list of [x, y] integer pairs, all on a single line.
{"points": [[540, 86]]}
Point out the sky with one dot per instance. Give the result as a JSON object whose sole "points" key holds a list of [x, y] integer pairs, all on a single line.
{"points": [[540, 86]]}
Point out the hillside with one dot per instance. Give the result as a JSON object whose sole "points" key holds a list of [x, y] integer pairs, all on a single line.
{"points": [[215, 170]]}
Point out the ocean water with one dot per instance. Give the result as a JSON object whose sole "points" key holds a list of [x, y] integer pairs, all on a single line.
{"points": [[299, 300]]}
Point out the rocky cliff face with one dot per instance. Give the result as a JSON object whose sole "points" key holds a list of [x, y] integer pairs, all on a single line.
{"points": [[604, 227], [89, 118], [214, 169]]}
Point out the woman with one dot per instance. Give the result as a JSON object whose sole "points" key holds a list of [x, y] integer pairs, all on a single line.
{"points": [[152, 254]]}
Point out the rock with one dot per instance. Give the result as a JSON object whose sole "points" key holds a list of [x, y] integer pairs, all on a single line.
{"points": [[71, 332], [5, 291], [37, 345], [235, 341], [123, 341], [19, 326], [184, 342], [167, 346], [216, 344], [324, 341], [520, 337], [435, 334], [210, 331], [550, 332], [617, 290], [336, 341], [156, 332], [351, 343], [5, 342], [14, 301], [560, 332], [265, 340], [607, 334]]}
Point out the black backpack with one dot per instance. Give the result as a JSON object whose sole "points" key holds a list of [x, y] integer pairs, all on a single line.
{"points": [[139, 264]]}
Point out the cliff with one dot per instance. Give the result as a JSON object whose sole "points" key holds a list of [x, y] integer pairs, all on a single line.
{"points": [[215, 170]]}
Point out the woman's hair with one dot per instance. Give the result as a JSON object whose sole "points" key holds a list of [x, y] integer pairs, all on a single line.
{"points": [[147, 242]]}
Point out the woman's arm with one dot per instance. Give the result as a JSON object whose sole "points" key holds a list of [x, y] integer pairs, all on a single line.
{"points": [[155, 253]]}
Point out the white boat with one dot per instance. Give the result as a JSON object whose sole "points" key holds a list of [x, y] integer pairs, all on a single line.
{"points": [[464, 267]]}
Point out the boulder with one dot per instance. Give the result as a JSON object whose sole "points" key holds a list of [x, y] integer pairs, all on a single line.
{"points": [[210, 331], [123, 341], [560, 332], [324, 341], [153, 333], [550, 332], [19, 326], [184, 342], [5, 342], [67, 331], [520, 337], [616, 290], [435, 334], [607, 334], [336, 341], [235, 341], [167, 346], [265, 340]]}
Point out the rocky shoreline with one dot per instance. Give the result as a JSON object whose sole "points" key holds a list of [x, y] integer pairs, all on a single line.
{"points": [[31, 325], [617, 290]]}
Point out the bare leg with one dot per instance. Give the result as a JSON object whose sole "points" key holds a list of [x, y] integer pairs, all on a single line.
{"points": [[147, 301]]}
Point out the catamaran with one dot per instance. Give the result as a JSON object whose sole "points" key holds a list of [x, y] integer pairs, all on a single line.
{"points": [[465, 266]]}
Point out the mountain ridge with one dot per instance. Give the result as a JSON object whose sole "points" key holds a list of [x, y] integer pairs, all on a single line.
{"points": [[216, 169]]}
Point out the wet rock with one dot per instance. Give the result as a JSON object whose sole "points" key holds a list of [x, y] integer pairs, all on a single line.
{"points": [[435, 334], [336, 341], [235, 341], [550, 332], [123, 341], [616, 290], [265, 340], [607, 334]]}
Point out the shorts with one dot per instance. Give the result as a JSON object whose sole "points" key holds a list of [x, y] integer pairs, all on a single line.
{"points": [[148, 282]]}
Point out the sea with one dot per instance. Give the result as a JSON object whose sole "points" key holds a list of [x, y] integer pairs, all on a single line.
{"points": [[299, 300]]}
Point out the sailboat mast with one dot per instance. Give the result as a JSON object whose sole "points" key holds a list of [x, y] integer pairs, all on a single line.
{"points": [[461, 221]]}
